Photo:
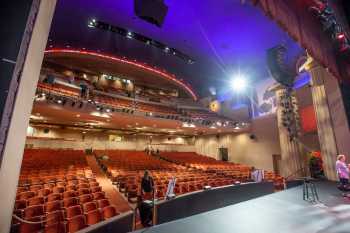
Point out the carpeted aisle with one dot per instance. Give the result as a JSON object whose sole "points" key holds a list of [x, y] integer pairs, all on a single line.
{"points": [[114, 196]]}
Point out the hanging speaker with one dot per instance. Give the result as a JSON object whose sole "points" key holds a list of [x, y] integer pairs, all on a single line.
{"points": [[152, 11], [277, 67]]}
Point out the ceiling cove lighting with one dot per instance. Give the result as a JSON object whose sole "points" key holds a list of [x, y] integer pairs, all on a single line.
{"points": [[163, 74]]}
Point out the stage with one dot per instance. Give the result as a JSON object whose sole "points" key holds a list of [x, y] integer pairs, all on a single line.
{"points": [[282, 212]]}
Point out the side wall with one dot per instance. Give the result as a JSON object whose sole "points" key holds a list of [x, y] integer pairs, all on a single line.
{"points": [[241, 149]]}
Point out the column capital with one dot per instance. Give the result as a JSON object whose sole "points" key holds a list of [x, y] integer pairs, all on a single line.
{"points": [[309, 64]]}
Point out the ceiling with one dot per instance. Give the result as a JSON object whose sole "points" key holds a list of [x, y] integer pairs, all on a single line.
{"points": [[221, 36]]}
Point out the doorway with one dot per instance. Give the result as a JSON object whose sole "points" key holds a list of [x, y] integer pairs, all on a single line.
{"points": [[276, 160]]}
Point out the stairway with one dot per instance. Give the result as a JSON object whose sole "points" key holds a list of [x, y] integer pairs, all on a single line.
{"points": [[113, 195]]}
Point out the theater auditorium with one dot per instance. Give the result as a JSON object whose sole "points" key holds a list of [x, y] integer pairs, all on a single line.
{"points": [[157, 116]]}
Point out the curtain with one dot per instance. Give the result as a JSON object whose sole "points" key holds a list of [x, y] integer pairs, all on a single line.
{"points": [[296, 19]]}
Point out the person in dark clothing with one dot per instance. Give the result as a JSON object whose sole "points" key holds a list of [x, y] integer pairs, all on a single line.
{"points": [[147, 191], [147, 183]]}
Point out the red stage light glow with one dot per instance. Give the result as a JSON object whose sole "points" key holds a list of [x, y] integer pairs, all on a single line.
{"points": [[170, 77], [341, 36]]}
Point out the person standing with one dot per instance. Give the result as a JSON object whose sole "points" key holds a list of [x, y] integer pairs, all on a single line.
{"points": [[342, 170], [147, 192]]}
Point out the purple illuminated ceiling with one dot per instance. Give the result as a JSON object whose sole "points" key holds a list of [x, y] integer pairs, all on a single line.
{"points": [[221, 35]]}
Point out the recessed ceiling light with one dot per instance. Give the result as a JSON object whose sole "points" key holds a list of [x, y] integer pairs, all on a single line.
{"points": [[78, 115]]}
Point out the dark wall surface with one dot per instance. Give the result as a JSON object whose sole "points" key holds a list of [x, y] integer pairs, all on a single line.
{"points": [[202, 201]]}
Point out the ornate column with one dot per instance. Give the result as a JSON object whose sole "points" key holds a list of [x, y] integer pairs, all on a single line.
{"points": [[291, 163], [325, 126]]}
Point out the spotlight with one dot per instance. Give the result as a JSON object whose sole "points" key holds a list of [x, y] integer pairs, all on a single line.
{"points": [[239, 83], [129, 35], [92, 23], [59, 101], [341, 36], [108, 110]]}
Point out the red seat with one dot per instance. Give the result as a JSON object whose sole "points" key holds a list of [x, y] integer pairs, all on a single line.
{"points": [[44, 192], [54, 217], [58, 227], [21, 189], [31, 227], [58, 189], [89, 206], [96, 189], [109, 212], [54, 197], [92, 184], [69, 194], [73, 182], [35, 201], [61, 184], [71, 201], [53, 206], [20, 204], [26, 195], [71, 188], [35, 187], [103, 203], [84, 186], [93, 217], [75, 224], [85, 198], [33, 211], [73, 211], [98, 195], [83, 191]]}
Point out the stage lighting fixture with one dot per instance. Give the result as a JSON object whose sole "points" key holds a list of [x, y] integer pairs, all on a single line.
{"points": [[92, 23], [341, 36], [59, 101], [108, 110], [129, 35], [81, 105], [239, 83], [98, 108]]}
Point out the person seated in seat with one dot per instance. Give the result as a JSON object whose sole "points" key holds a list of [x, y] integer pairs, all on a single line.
{"points": [[343, 173]]}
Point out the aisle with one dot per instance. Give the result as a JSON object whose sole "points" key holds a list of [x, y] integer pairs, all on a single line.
{"points": [[114, 196]]}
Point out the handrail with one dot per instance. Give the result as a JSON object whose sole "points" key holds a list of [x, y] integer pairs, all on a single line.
{"points": [[295, 172]]}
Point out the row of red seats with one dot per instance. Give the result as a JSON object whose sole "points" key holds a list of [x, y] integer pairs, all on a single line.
{"points": [[59, 89], [58, 181], [236, 171], [70, 219], [126, 169]]}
